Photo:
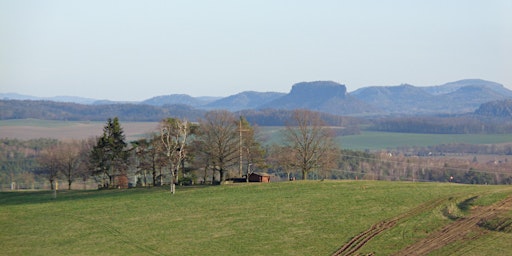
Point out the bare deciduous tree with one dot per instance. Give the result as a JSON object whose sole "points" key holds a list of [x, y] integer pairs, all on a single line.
{"points": [[174, 134], [251, 152], [150, 157], [309, 139], [50, 164], [86, 166], [219, 139], [282, 158], [69, 156]]}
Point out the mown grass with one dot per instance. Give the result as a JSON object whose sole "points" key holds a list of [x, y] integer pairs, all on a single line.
{"points": [[292, 218]]}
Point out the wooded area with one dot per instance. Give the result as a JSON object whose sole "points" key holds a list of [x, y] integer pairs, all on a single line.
{"points": [[225, 147]]}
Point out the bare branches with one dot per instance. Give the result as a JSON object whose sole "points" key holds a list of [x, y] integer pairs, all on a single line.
{"points": [[173, 133], [309, 139], [219, 140]]}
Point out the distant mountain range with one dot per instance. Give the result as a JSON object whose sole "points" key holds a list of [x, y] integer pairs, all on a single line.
{"points": [[73, 99], [464, 96]]}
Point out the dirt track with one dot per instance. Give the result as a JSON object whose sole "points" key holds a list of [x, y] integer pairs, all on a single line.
{"points": [[360, 240], [458, 230]]}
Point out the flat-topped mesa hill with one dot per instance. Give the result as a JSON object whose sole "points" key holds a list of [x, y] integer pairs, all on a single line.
{"points": [[323, 96], [459, 97]]}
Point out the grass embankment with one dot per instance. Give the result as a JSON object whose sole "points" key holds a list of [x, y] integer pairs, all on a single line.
{"points": [[293, 218]]}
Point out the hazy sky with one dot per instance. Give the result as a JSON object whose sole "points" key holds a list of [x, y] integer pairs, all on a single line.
{"points": [[134, 50]]}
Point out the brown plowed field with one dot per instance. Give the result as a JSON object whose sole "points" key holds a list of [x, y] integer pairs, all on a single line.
{"points": [[73, 130]]}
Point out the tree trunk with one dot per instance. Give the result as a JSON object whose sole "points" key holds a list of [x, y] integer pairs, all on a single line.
{"points": [[205, 174], [304, 175], [221, 174]]}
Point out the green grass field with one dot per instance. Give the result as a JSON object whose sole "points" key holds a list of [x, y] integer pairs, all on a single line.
{"points": [[383, 140], [291, 218]]}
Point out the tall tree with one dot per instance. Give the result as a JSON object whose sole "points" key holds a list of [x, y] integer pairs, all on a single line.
{"points": [[109, 156], [250, 149], [174, 133], [69, 155], [282, 158], [309, 139], [145, 155], [219, 138], [86, 165], [50, 164]]}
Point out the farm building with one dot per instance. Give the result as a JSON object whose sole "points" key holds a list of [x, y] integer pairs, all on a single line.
{"points": [[259, 177]]}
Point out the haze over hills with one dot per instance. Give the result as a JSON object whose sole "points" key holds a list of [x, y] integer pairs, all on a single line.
{"points": [[74, 99], [177, 99], [244, 100], [458, 97], [322, 96]]}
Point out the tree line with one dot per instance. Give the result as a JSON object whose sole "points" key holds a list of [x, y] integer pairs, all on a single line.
{"points": [[220, 147], [442, 125], [49, 110]]}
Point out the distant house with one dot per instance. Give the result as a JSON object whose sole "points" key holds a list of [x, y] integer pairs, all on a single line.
{"points": [[259, 177]]}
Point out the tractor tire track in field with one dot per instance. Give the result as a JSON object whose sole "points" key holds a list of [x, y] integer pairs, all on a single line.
{"points": [[360, 240], [461, 229]]}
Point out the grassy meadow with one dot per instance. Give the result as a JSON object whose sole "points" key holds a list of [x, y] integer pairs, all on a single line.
{"points": [[384, 140], [289, 218]]}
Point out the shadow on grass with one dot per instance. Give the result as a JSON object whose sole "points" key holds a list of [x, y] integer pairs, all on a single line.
{"points": [[466, 204], [47, 196]]}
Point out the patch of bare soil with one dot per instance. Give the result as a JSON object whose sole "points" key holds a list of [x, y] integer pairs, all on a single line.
{"points": [[467, 228], [75, 130]]}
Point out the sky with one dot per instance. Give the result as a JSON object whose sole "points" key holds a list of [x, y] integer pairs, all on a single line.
{"points": [[135, 50]]}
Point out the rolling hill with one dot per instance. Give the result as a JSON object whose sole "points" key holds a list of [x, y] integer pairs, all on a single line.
{"points": [[279, 218], [460, 97]]}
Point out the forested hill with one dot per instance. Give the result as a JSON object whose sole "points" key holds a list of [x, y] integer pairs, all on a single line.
{"points": [[49, 110], [460, 97], [502, 109]]}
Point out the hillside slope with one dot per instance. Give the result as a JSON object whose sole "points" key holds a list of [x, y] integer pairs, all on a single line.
{"points": [[323, 96], [302, 218]]}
